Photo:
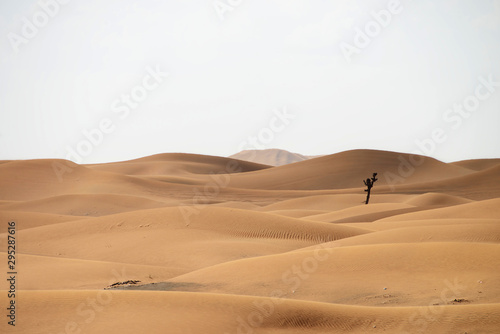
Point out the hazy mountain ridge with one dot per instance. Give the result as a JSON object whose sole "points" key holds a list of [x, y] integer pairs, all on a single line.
{"points": [[271, 157]]}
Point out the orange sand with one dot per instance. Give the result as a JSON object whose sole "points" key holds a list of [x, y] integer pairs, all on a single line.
{"points": [[226, 246]]}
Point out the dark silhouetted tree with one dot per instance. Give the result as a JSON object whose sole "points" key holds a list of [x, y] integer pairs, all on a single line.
{"points": [[369, 184]]}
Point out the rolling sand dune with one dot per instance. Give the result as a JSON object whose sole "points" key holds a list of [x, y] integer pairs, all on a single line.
{"points": [[139, 312], [481, 209], [238, 205], [26, 220], [45, 273], [210, 236], [364, 213], [179, 163], [429, 199], [2, 203], [298, 213], [203, 244], [358, 275], [484, 184], [385, 225], [329, 202], [478, 232], [343, 170], [359, 210], [39, 179], [88, 205], [478, 164]]}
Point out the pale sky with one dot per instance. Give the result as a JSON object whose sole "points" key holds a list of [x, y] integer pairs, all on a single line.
{"points": [[309, 76]]}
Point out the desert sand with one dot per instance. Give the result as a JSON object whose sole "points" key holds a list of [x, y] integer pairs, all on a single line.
{"points": [[220, 245]]}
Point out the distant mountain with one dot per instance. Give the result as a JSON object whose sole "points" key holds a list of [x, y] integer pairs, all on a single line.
{"points": [[272, 157]]}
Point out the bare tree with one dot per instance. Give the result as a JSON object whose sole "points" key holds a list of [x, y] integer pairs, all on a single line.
{"points": [[369, 184]]}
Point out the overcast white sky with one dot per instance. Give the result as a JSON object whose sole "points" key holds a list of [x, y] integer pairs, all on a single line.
{"points": [[228, 77]]}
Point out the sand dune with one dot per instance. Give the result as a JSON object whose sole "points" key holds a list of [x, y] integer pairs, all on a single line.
{"points": [[34, 179], [484, 184], [179, 163], [362, 275], [26, 220], [478, 232], [330, 202], [226, 246], [343, 170], [298, 213], [429, 199], [360, 210], [44, 273], [481, 209], [37, 179], [380, 225], [2, 203], [150, 237], [238, 205], [478, 164], [88, 205], [139, 311]]}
